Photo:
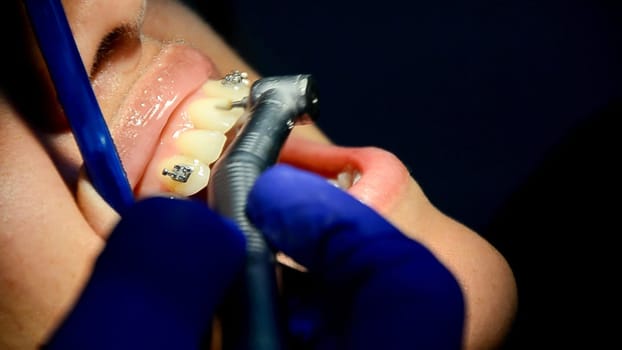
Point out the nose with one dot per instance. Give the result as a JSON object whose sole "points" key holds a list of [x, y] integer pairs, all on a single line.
{"points": [[103, 26]]}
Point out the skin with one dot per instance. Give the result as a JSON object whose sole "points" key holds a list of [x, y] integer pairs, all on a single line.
{"points": [[54, 224]]}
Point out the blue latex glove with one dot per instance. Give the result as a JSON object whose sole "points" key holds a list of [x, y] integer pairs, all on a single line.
{"points": [[157, 283], [368, 286]]}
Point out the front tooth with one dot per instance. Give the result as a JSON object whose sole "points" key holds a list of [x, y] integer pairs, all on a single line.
{"points": [[215, 88], [346, 179], [196, 181], [204, 145], [206, 114]]}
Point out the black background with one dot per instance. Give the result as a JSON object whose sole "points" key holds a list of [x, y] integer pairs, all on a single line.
{"points": [[505, 112]]}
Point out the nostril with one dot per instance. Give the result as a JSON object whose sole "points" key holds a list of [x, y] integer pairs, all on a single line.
{"points": [[120, 48]]}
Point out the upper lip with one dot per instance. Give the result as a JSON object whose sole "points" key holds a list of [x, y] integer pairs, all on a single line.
{"points": [[173, 74]]}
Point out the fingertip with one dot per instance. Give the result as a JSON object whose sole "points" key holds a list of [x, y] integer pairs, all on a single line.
{"points": [[173, 247], [100, 216], [298, 212], [163, 271], [171, 233], [281, 207]]}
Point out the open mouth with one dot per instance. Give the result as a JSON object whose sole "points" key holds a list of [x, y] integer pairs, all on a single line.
{"points": [[196, 135], [372, 175], [179, 120], [174, 115]]}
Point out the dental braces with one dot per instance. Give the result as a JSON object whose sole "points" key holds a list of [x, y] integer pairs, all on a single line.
{"points": [[180, 172], [235, 79]]}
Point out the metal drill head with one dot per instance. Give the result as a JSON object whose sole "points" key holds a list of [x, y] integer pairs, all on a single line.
{"points": [[298, 92]]}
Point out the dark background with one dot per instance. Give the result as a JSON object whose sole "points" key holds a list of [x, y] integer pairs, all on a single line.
{"points": [[505, 112]]}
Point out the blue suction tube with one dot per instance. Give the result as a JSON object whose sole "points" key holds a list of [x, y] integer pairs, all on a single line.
{"points": [[76, 96]]}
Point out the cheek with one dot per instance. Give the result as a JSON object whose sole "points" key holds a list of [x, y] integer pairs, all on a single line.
{"points": [[411, 211], [46, 246]]}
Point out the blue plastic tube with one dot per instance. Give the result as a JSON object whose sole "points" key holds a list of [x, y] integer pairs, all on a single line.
{"points": [[74, 91]]}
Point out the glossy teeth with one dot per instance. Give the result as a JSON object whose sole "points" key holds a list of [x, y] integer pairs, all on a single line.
{"points": [[211, 117], [188, 183], [346, 178], [209, 114]]}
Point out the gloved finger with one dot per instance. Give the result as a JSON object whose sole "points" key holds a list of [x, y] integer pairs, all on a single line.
{"points": [[157, 282], [381, 286]]}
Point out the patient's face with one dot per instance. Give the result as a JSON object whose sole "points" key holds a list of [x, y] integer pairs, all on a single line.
{"points": [[158, 74]]}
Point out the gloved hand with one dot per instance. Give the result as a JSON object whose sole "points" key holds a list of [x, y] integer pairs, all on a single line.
{"points": [[368, 286], [158, 280], [168, 263]]}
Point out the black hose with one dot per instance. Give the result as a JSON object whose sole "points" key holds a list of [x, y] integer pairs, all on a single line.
{"points": [[251, 316]]}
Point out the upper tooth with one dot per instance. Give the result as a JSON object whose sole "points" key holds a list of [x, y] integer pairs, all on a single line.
{"points": [[218, 89], [196, 181], [205, 114], [211, 116], [204, 145]]}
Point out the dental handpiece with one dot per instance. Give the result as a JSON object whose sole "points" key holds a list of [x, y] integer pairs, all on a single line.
{"points": [[251, 318]]}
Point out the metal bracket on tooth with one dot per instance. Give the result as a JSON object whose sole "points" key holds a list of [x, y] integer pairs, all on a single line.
{"points": [[235, 79], [180, 172]]}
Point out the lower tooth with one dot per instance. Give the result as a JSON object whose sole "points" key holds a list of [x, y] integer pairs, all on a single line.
{"points": [[183, 175], [346, 179]]}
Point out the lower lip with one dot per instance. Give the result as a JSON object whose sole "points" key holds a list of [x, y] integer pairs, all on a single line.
{"points": [[382, 176]]}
